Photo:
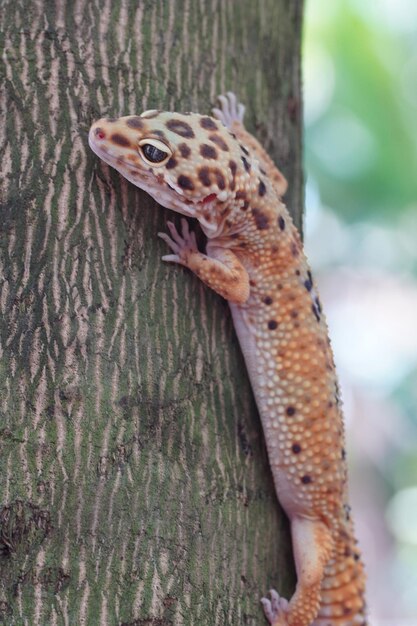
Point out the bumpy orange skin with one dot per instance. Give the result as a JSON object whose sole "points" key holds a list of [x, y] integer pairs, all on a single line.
{"points": [[223, 178]]}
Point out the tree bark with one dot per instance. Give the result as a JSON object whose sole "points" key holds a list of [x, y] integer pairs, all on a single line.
{"points": [[135, 485]]}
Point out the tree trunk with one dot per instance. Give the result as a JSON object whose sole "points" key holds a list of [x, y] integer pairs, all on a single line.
{"points": [[135, 485]]}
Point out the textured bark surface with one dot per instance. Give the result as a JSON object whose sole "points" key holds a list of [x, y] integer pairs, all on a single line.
{"points": [[135, 487]]}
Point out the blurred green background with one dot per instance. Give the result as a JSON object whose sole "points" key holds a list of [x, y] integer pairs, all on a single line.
{"points": [[360, 80]]}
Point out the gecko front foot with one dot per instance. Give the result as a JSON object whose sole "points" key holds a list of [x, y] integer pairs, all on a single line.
{"points": [[182, 245], [230, 110], [275, 609]]}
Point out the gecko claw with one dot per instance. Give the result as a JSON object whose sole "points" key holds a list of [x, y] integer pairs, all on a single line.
{"points": [[171, 258]]}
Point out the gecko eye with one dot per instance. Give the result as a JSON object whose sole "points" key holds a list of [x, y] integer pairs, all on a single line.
{"points": [[154, 151]]}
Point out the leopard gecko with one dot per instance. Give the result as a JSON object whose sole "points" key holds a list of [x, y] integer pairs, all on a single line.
{"points": [[212, 169]]}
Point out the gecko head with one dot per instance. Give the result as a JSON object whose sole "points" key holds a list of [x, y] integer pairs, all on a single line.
{"points": [[188, 162]]}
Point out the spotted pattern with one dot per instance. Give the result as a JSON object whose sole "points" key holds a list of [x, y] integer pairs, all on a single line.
{"points": [[308, 284], [184, 150], [135, 122], [261, 188], [208, 152], [171, 163], [246, 164], [204, 176], [120, 140], [220, 180], [181, 128], [261, 220], [208, 123], [220, 143], [185, 182]]}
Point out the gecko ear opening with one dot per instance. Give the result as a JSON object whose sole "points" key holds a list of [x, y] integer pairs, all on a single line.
{"points": [[154, 152]]}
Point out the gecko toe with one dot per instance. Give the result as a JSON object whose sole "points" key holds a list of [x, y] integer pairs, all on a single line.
{"points": [[230, 111], [275, 609]]}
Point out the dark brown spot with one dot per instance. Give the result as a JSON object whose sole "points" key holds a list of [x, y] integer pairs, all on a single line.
{"points": [[171, 164], [261, 188], [290, 411], [244, 150], [268, 300], [208, 152], [221, 183], [204, 176], [208, 123], [315, 311], [240, 195], [246, 165], [159, 133], [220, 143], [306, 479], [294, 313], [281, 222], [185, 150], [185, 182], [347, 511], [294, 249], [180, 128], [261, 220], [245, 205], [272, 324], [118, 139], [296, 448], [308, 284], [233, 169], [134, 122]]}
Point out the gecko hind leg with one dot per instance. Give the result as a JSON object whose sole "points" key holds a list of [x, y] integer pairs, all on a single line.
{"points": [[231, 113], [312, 547]]}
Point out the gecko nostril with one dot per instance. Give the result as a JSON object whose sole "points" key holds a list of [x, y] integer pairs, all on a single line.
{"points": [[99, 133]]}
